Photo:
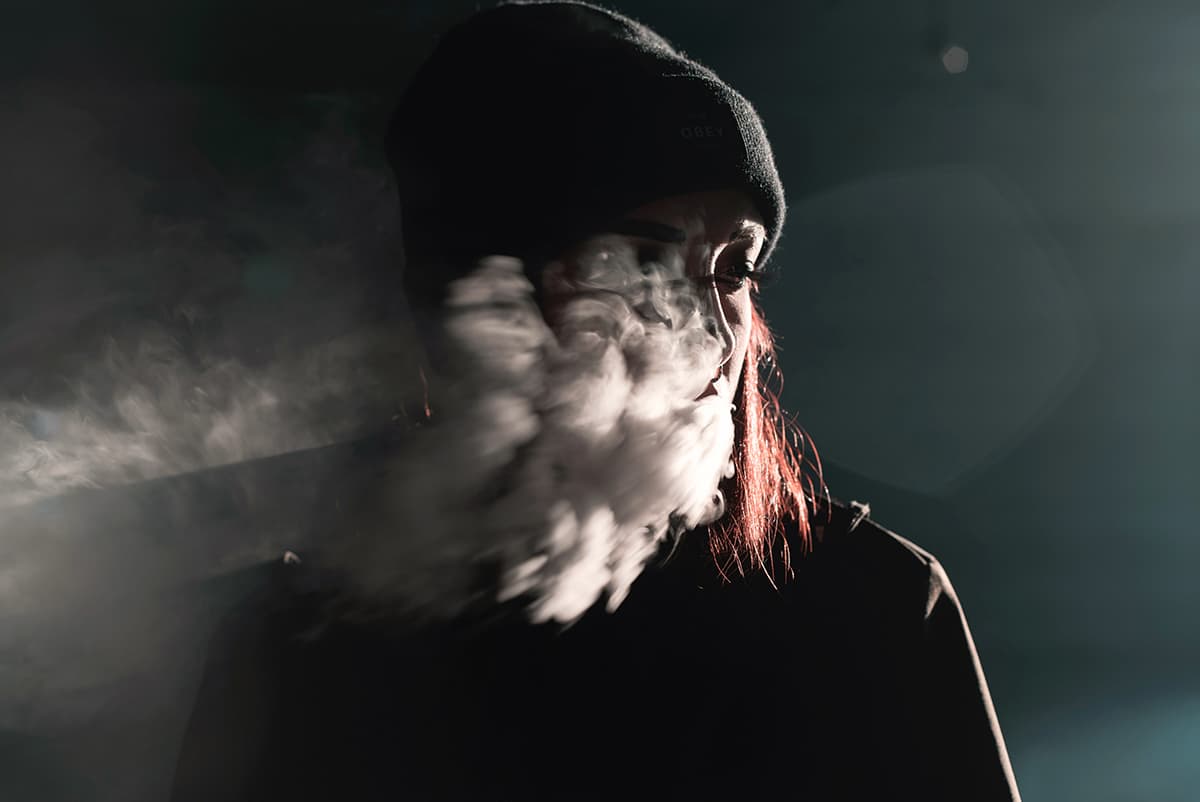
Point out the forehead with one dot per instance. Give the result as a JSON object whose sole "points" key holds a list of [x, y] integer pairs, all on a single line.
{"points": [[713, 216]]}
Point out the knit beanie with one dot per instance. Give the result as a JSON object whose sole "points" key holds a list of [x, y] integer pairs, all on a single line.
{"points": [[533, 124]]}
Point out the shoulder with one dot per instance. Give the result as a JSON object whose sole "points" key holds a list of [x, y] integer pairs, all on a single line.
{"points": [[852, 547]]}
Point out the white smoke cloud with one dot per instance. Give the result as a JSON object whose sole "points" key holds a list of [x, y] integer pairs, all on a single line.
{"points": [[563, 457]]}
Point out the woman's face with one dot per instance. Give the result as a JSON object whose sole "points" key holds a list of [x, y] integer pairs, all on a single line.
{"points": [[720, 236]]}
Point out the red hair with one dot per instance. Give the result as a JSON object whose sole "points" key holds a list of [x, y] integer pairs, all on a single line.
{"points": [[775, 480]]}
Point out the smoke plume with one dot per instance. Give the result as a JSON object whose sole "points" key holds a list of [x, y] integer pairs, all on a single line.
{"points": [[561, 457]]}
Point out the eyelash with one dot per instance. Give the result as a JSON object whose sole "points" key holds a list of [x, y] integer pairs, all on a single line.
{"points": [[742, 273]]}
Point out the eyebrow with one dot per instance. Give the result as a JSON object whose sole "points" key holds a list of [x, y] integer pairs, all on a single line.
{"points": [[670, 235], [748, 231]]}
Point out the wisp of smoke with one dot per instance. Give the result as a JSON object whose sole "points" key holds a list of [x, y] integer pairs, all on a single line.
{"points": [[557, 462], [165, 413], [560, 458]]}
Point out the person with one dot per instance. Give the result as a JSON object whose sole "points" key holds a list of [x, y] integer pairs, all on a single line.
{"points": [[774, 643]]}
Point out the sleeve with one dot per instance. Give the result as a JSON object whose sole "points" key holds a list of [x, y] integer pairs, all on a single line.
{"points": [[964, 747]]}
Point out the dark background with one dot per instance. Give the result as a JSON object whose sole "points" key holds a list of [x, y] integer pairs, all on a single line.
{"points": [[988, 315]]}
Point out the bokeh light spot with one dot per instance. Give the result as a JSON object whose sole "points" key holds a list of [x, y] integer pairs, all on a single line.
{"points": [[954, 59]]}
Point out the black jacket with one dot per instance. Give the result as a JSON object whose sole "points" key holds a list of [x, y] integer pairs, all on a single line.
{"points": [[856, 680]]}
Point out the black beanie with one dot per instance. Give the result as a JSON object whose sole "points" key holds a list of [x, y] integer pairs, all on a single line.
{"points": [[533, 124]]}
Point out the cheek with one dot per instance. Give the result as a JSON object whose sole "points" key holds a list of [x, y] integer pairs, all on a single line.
{"points": [[738, 314]]}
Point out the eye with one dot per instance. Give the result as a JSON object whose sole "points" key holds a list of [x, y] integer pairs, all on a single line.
{"points": [[735, 277]]}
